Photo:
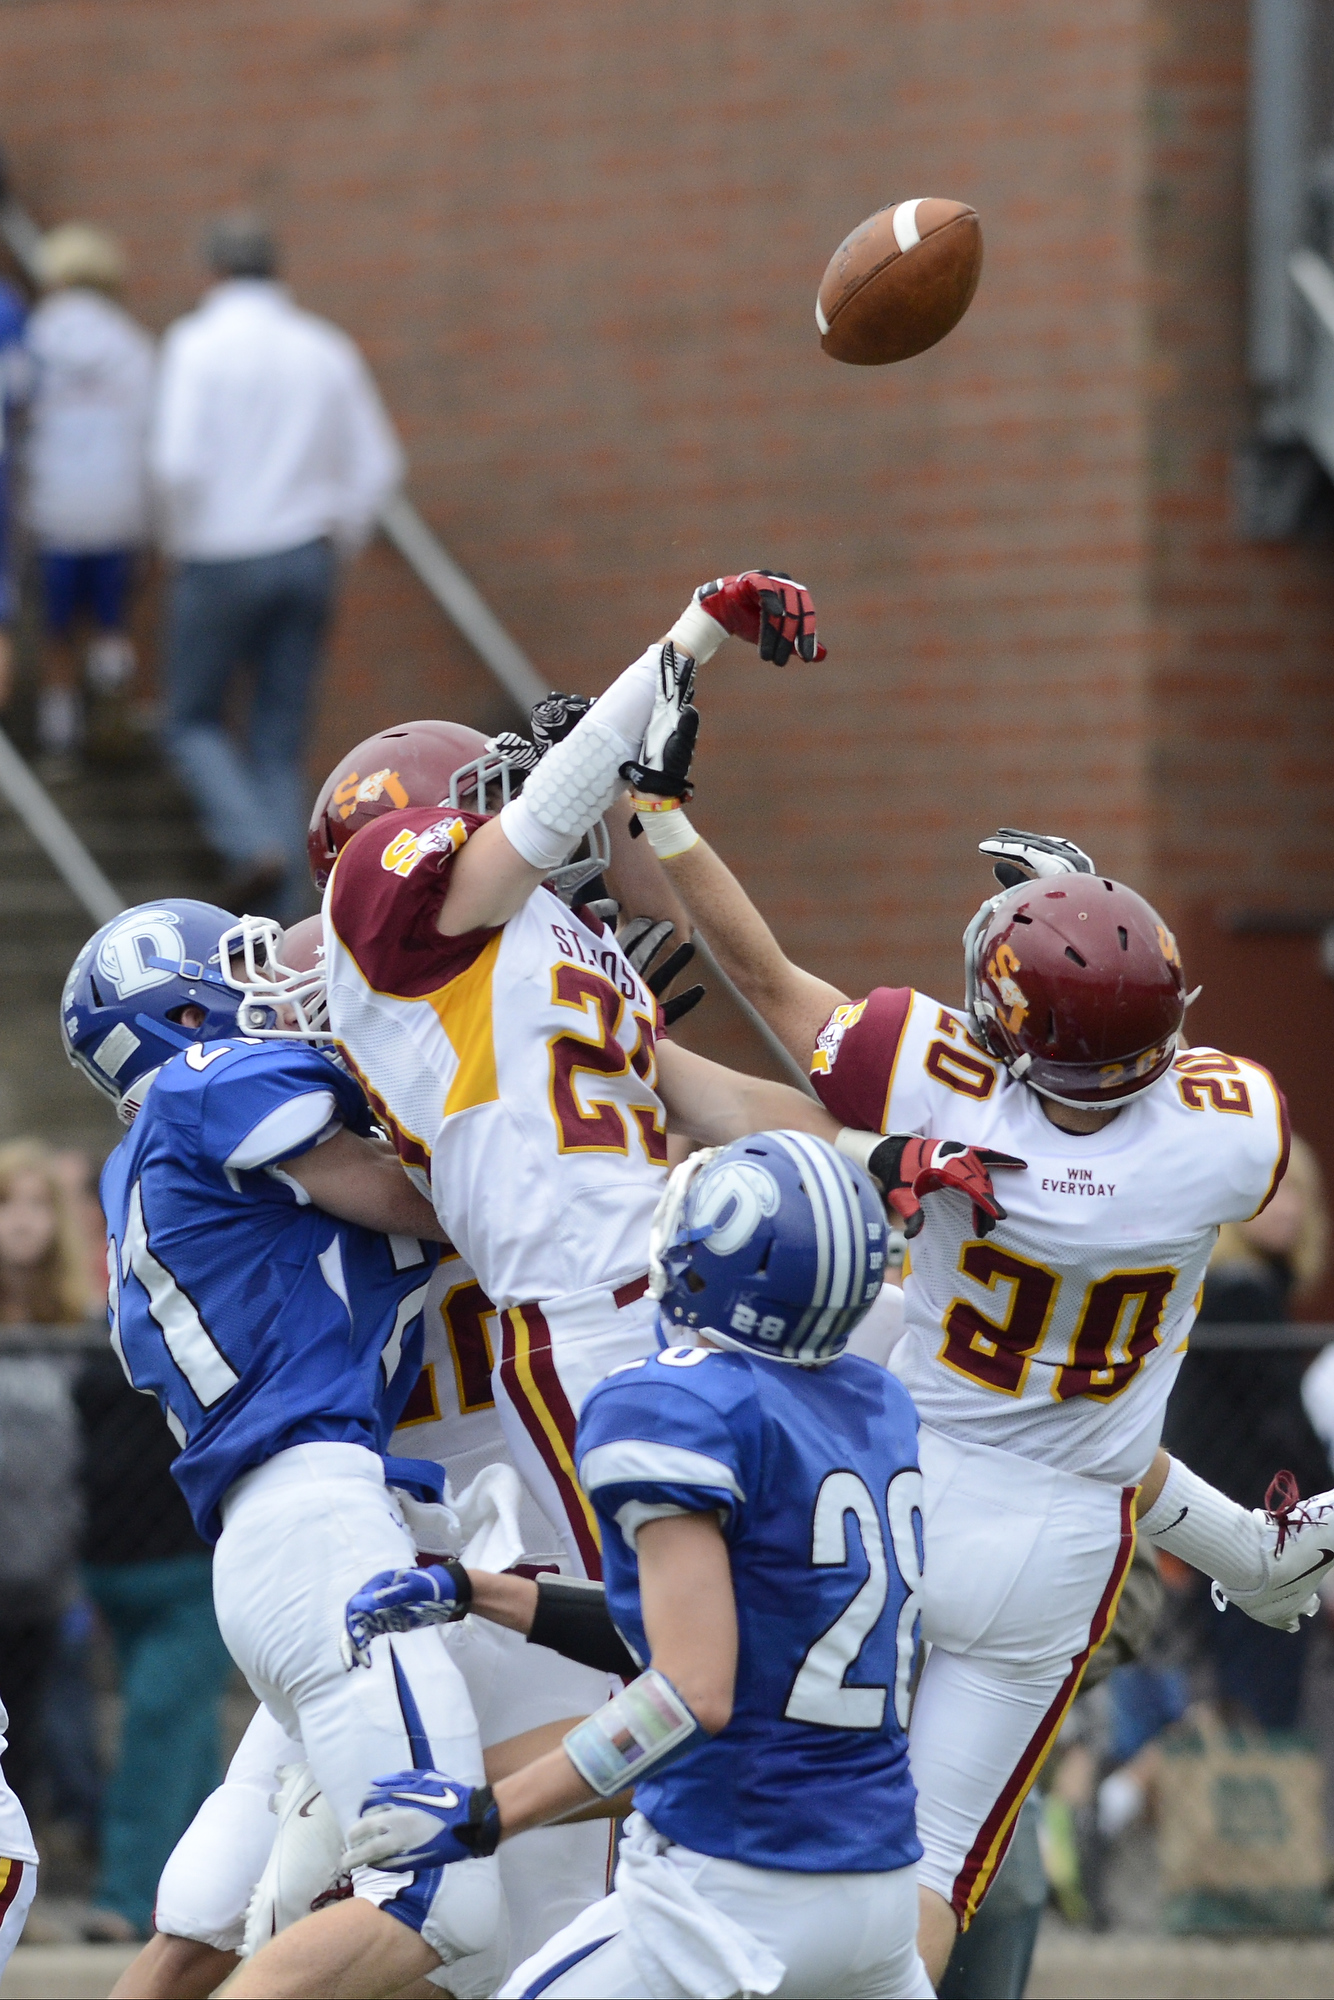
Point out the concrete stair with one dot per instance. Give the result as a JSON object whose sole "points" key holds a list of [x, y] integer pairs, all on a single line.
{"points": [[137, 824]]}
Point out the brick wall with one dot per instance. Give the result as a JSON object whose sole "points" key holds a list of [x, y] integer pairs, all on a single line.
{"points": [[1241, 686], [581, 245]]}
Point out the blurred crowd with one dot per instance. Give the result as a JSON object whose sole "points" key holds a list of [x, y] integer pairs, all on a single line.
{"points": [[98, 1559], [251, 451]]}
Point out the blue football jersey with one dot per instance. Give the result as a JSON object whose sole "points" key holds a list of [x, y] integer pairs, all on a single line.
{"points": [[813, 1473], [257, 1320]]}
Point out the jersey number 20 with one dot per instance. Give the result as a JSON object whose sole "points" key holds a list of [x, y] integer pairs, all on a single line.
{"points": [[819, 1692]]}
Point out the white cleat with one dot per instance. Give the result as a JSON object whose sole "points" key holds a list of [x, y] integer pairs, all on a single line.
{"points": [[1298, 1536]]}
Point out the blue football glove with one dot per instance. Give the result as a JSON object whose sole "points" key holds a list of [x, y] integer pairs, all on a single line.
{"points": [[403, 1600], [421, 1819]]}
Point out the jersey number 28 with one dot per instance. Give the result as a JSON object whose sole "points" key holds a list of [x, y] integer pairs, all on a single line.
{"points": [[820, 1693]]}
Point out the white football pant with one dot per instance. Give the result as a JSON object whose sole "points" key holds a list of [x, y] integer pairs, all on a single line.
{"points": [[687, 1923], [1024, 1567], [551, 1355], [548, 1876], [300, 1535]]}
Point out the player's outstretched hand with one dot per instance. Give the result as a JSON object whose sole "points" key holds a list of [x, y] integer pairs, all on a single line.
{"points": [[1299, 1553], [403, 1600], [1019, 857], [421, 1819], [910, 1168], [768, 608], [641, 940]]}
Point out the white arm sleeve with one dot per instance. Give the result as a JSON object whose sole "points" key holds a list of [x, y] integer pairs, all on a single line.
{"points": [[578, 779], [293, 1128]]}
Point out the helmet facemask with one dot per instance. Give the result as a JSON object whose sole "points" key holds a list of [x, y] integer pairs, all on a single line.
{"points": [[507, 761], [279, 1002]]}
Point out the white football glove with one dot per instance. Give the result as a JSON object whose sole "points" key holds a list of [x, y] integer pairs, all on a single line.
{"points": [[1019, 857], [663, 767], [1299, 1550]]}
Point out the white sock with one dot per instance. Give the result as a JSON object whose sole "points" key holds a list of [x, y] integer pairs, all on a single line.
{"points": [[1207, 1530], [110, 664]]}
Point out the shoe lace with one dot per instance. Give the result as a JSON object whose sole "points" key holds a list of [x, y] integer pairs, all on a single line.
{"points": [[1283, 1504]]}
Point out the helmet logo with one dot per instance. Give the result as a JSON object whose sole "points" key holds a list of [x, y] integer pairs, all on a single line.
{"points": [[730, 1203], [145, 951], [1001, 969], [1167, 945], [406, 849], [355, 791], [830, 1037]]}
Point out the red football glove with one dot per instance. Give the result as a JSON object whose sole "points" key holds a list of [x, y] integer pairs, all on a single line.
{"points": [[909, 1168], [765, 605]]}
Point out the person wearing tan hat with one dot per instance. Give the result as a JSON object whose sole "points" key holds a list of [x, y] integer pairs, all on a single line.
{"points": [[87, 483]]}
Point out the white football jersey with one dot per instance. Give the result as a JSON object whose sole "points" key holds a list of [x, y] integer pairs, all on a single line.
{"points": [[1059, 1335], [450, 1415], [515, 1067]]}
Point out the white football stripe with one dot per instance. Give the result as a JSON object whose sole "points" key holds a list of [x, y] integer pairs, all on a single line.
{"points": [[191, 1346], [845, 1213], [820, 319], [821, 1221], [392, 1352], [905, 223], [639, 1458]]}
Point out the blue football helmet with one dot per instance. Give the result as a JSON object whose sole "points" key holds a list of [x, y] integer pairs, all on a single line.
{"points": [[130, 980], [775, 1244]]}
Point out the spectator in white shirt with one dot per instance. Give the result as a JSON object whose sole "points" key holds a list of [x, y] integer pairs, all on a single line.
{"points": [[271, 453], [87, 475]]}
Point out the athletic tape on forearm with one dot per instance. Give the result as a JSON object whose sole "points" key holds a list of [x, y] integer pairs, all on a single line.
{"points": [[573, 1620], [646, 1726], [857, 1146], [875, 1153], [696, 633], [578, 779], [1204, 1528], [666, 828]]}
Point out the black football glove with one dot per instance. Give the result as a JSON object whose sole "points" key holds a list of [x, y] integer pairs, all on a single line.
{"points": [[641, 941], [552, 719]]}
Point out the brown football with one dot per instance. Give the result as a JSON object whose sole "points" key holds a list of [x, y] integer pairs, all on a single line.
{"points": [[898, 284]]}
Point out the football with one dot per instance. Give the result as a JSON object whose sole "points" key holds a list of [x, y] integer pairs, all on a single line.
{"points": [[900, 281]]}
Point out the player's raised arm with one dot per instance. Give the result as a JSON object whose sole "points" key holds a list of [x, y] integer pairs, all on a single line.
{"points": [[642, 730], [794, 1002], [713, 1105]]}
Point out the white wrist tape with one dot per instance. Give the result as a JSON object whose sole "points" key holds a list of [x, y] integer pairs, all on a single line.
{"points": [[857, 1146], [696, 633], [666, 828], [1204, 1528], [646, 1726]]}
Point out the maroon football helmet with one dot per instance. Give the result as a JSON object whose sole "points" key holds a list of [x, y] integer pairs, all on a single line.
{"points": [[1075, 983], [413, 764]]}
